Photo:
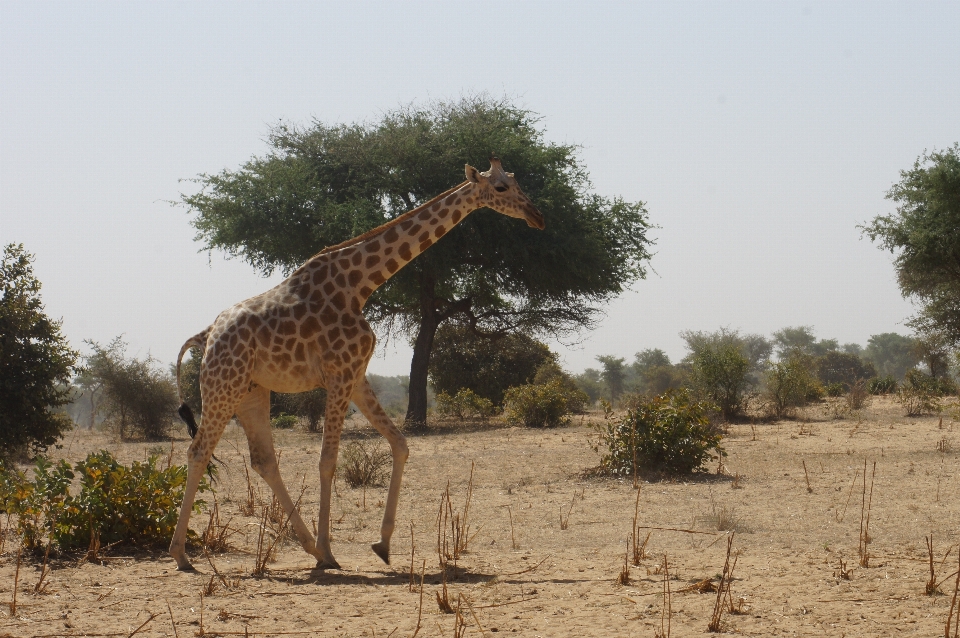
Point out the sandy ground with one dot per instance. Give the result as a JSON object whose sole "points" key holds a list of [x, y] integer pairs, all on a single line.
{"points": [[539, 579]]}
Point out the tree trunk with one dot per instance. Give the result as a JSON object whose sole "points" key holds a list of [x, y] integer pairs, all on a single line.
{"points": [[416, 419]]}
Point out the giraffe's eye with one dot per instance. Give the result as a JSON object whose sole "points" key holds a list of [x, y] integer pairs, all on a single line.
{"points": [[500, 188]]}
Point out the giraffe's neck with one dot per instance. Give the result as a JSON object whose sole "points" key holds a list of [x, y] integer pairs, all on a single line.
{"points": [[381, 254]]}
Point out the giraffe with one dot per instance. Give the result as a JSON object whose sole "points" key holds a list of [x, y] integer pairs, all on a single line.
{"points": [[309, 332]]}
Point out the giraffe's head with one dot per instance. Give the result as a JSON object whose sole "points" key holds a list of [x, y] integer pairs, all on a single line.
{"points": [[498, 190]]}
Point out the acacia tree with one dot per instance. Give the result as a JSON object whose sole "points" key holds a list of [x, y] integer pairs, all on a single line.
{"points": [[924, 239], [613, 375], [323, 184], [138, 396], [35, 361]]}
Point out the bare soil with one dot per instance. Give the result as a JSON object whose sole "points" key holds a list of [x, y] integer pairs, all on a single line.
{"points": [[792, 530]]}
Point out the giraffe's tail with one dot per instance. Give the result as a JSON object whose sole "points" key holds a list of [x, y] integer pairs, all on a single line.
{"points": [[196, 341]]}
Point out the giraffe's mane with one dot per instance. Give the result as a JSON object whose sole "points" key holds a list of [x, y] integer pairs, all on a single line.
{"points": [[393, 222]]}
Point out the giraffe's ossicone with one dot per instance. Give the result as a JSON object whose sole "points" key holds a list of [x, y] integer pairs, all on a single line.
{"points": [[309, 332]]}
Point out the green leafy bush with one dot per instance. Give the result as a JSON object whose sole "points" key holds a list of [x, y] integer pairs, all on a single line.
{"points": [[837, 389], [284, 421], [465, 404], [670, 433], [720, 374], [921, 393], [307, 406], [791, 383], [137, 504], [882, 385], [577, 399], [537, 406]]}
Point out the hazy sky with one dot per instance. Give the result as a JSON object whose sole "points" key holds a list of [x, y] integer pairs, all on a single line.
{"points": [[759, 135]]}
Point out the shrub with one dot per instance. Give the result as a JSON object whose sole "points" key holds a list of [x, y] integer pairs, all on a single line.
{"points": [[309, 406], [577, 399], [835, 389], [719, 373], [920, 393], [882, 385], [537, 406], [137, 504], [461, 358], [138, 396], [915, 379], [465, 404], [284, 421], [858, 397], [791, 384], [670, 433], [365, 464]]}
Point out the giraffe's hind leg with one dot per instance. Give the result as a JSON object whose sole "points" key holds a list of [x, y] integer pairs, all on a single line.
{"points": [[366, 400], [198, 455], [339, 389], [254, 416]]}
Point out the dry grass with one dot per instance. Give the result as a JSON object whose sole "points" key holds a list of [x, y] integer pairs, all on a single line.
{"points": [[365, 463], [931, 586], [724, 592], [452, 547], [249, 506], [858, 397], [623, 578], [16, 583], [722, 518], [638, 547], [217, 533], [806, 476], [513, 535], [953, 614], [565, 520], [865, 507], [666, 610], [842, 573]]}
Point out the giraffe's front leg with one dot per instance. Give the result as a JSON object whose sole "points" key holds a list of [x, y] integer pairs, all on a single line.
{"points": [[254, 416], [370, 407], [338, 400]]}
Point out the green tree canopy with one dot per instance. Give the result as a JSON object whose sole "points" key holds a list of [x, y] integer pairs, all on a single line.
{"points": [[323, 184], [843, 367], [802, 338], [923, 236], [613, 375], [891, 353], [35, 361]]}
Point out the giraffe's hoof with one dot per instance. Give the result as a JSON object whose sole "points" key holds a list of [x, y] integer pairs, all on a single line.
{"points": [[188, 567], [328, 564], [382, 550]]}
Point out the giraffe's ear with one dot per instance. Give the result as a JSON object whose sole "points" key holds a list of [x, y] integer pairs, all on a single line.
{"points": [[473, 174]]}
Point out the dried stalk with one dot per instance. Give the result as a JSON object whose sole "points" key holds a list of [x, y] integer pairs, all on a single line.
{"points": [[865, 515]]}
